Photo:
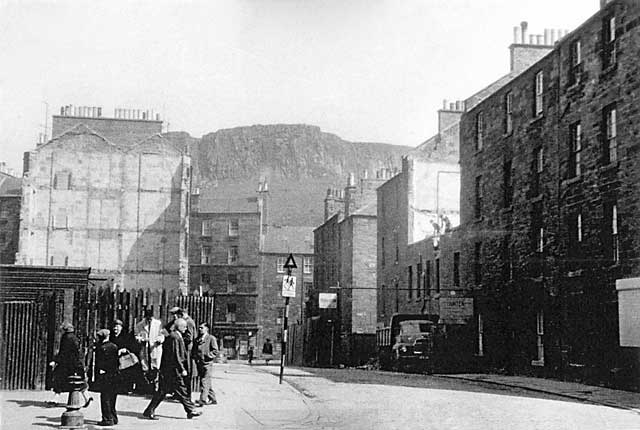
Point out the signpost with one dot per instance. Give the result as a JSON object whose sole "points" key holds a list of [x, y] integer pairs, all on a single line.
{"points": [[288, 290]]}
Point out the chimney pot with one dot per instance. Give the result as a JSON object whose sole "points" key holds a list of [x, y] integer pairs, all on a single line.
{"points": [[452, 106], [444, 104], [523, 26], [516, 34], [539, 39]]}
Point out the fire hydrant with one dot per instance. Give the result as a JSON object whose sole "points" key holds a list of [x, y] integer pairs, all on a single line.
{"points": [[73, 418]]}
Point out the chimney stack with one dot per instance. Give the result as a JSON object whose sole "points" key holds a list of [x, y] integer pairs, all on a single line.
{"points": [[523, 27]]}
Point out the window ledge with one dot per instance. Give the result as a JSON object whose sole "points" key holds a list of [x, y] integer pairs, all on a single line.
{"points": [[575, 273], [478, 219], [536, 119], [536, 198], [508, 209], [573, 180], [611, 166], [478, 152], [538, 363], [507, 134], [609, 70]]}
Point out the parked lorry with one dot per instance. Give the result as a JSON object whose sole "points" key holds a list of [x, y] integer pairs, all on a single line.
{"points": [[410, 342]]}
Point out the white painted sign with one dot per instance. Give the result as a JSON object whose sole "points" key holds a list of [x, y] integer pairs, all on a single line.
{"points": [[327, 300], [288, 286], [629, 311], [456, 310]]}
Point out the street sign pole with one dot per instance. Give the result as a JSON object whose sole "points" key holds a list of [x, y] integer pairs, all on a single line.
{"points": [[288, 290]]}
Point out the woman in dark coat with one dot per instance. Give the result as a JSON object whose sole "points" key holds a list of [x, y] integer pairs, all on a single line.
{"points": [[126, 343], [68, 362]]}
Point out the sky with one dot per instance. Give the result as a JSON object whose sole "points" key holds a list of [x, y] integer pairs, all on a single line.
{"points": [[366, 70]]}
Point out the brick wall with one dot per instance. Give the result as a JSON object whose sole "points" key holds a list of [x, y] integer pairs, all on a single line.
{"points": [[9, 228]]}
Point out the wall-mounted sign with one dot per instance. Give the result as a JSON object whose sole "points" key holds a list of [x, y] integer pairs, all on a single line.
{"points": [[456, 310], [327, 300]]}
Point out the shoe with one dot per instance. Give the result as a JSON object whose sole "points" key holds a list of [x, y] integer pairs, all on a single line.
{"points": [[150, 416], [105, 424], [88, 402], [199, 404], [193, 414], [213, 402]]}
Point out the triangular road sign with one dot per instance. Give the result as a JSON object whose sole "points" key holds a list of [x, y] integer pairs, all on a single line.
{"points": [[290, 263]]}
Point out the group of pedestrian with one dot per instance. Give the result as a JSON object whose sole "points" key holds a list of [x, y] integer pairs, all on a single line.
{"points": [[157, 356]]}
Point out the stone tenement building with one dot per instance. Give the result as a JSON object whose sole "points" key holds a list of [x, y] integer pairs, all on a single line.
{"points": [[10, 198], [279, 242], [224, 260], [110, 194], [550, 185], [345, 251], [420, 261]]}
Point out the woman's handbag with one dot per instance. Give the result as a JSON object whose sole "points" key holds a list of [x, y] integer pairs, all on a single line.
{"points": [[127, 360]]}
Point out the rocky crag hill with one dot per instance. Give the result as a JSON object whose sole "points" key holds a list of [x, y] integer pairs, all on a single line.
{"points": [[299, 162]]}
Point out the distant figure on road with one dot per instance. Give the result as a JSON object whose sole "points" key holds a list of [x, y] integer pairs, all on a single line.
{"points": [[267, 351], [173, 372], [66, 363], [205, 351], [107, 377], [250, 354], [148, 333]]}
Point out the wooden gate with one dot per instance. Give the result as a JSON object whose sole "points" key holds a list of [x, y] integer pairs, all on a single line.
{"points": [[23, 355]]}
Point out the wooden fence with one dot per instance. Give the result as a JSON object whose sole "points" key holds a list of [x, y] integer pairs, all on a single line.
{"points": [[98, 307]]}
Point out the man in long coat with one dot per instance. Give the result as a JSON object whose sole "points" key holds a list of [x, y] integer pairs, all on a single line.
{"points": [[173, 373]]}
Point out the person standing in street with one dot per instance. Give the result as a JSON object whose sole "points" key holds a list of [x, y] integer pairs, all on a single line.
{"points": [[204, 353], [267, 351], [148, 333], [66, 363], [107, 377], [173, 372], [126, 344], [250, 354], [188, 337]]}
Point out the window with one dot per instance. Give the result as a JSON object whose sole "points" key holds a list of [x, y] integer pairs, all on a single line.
{"points": [[575, 150], [479, 131], [232, 255], [579, 227], [507, 259], [206, 227], [478, 197], [205, 255], [507, 183], [397, 248], [234, 228], [456, 269], [410, 282], [612, 241], [62, 181], [427, 279], [539, 91], [382, 262], [232, 282], [574, 227], [539, 339], [576, 62], [51, 261], [419, 276], [231, 312], [280, 264], [508, 112], [537, 227], [205, 278], [437, 275], [480, 336], [610, 147], [66, 261], [307, 264], [61, 220], [609, 41], [477, 263], [538, 168]]}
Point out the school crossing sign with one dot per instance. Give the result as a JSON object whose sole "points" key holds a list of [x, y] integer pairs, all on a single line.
{"points": [[288, 280], [288, 286]]}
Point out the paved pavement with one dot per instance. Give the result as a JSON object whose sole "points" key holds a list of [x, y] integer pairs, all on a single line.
{"points": [[251, 398], [247, 399], [587, 393]]}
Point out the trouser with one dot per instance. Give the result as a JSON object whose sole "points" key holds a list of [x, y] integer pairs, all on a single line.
{"points": [[108, 405], [189, 370], [205, 372], [171, 384]]}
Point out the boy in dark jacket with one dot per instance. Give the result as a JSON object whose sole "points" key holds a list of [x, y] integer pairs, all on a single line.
{"points": [[106, 376]]}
